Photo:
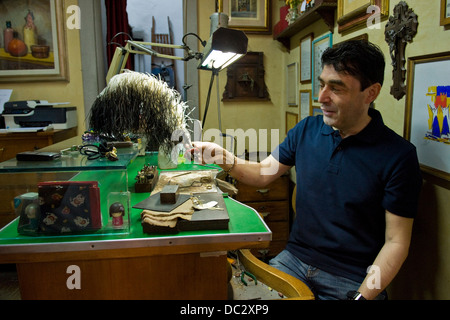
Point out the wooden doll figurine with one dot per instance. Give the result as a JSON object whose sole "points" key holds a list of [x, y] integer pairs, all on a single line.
{"points": [[116, 212]]}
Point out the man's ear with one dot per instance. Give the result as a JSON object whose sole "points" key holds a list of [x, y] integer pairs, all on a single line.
{"points": [[372, 92]]}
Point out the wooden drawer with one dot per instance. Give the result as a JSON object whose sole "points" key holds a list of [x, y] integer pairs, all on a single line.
{"points": [[273, 204], [277, 190], [280, 236], [272, 210], [280, 230], [10, 148]]}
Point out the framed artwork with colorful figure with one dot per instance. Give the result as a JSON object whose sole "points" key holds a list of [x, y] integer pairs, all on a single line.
{"points": [[427, 111]]}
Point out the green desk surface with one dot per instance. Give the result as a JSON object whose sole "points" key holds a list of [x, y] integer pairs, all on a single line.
{"points": [[245, 225]]}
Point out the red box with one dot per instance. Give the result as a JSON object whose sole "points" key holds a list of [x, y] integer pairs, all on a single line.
{"points": [[282, 24], [69, 207]]}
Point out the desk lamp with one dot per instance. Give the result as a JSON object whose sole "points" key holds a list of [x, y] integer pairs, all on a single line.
{"points": [[224, 47]]}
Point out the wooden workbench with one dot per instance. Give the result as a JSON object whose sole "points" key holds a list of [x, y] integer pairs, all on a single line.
{"points": [[187, 265]]}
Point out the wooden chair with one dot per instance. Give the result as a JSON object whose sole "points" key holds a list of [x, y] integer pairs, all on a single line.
{"points": [[289, 286]]}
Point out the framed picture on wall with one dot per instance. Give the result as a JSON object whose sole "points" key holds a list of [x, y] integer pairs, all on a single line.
{"points": [[305, 104], [319, 46], [291, 120], [37, 51], [250, 16], [291, 84], [445, 12], [316, 111], [356, 13], [305, 58], [427, 111]]}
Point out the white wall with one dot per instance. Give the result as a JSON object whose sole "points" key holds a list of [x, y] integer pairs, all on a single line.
{"points": [[140, 13], [183, 17]]}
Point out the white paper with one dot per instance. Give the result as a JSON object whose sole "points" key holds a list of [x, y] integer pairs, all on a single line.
{"points": [[26, 129], [5, 95]]}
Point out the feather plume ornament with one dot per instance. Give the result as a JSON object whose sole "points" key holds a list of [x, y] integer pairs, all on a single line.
{"points": [[141, 104]]}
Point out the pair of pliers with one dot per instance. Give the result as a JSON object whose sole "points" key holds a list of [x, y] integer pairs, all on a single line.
{"points": [[243, 273]]}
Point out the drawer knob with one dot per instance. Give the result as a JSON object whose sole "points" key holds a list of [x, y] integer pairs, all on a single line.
{"points": [[263, 191]]}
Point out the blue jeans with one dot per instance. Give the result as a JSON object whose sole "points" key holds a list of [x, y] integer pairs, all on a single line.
{"points": [[324, 285]]}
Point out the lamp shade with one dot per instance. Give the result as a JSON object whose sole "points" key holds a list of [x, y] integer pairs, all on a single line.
{"points": [[223, 48]]}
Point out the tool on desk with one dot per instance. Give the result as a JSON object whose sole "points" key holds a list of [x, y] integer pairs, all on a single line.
{"points": [[169, 194], [37, 156], [179, 175], [94, 152], [200, 205]]}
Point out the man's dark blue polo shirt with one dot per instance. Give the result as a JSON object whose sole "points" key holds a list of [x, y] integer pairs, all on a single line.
{"points": [[344, 187]]}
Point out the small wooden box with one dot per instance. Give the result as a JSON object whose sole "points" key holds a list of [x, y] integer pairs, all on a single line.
{"points": [[169, 194]]}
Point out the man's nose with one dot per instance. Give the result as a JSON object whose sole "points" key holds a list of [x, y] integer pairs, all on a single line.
{"points": [[323, 94]]}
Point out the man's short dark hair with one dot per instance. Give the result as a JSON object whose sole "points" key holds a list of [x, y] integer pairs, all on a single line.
{"points": [[358, 58]]}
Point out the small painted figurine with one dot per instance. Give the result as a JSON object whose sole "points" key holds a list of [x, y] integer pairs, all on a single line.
{"points": [[32, 213], [116, 212]]}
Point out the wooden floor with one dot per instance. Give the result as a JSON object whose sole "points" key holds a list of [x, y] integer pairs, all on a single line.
{"points": [[9, 283]]}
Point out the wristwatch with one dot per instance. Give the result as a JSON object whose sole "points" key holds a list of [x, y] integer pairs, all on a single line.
{"points": [[355, 295]]}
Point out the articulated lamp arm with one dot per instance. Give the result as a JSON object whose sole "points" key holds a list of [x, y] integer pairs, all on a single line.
{"points": [[138, 47]]}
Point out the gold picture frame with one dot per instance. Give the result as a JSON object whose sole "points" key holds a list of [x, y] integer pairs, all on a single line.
{"points": [[445, 12], [250, 16], [316, 110], [291, 120], [49, 18], [305, 105], [426, 117], [353, 14]]}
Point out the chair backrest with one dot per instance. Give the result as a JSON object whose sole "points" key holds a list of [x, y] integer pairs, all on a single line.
{"points": [[294, 197], [164, 38]]}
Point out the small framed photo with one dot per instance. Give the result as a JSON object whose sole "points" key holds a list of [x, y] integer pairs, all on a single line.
{"points": [[291, 120], [319, 46], [445, 12], [292, 84], [353, 14], [305, 58], [305, 104], [250, 16], [316, 111]]}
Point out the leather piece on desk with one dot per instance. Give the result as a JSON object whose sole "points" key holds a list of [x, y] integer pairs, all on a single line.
{"points": [[153, 203], [150, 227], [183, 211], [166, 222], [208, 219]]}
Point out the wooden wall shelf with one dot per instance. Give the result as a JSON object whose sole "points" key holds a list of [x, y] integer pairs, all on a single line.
{"points": [[323, 9]]}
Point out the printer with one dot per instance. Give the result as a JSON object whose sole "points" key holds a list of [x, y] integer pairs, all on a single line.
{"points": [[38, 113]]}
